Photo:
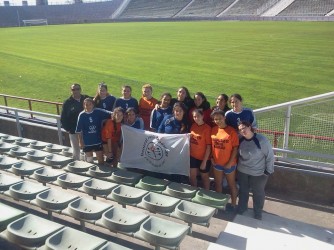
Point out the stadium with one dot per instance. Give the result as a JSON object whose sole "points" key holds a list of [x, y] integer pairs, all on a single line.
{"points": [[278, 54]]}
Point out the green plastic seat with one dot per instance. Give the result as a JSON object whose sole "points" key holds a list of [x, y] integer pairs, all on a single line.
{"points": [[96, 187], [9, 214], [194, 213], [69, 238], [181, 191], [123, 220], [160, 232], [10, 138], [100, 171], [211, 198], [24, 142], [8, 180], [5, 147], [26, 190], [31, 231], [70, 180], [159, 203], [25, 168], [87, 209], [40, 145], [125, 177], [152, 184], [6, 162], [37, 155], [127, 195], [78, 166], [57, 160], [47, 174], [19, 151], [54, 199]]}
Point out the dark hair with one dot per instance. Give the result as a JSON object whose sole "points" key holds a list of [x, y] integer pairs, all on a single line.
{"points": [[127, 86], [131, 109], [198, 111], [246, 124], [97, 97], [205, 104], [75, 85], [166, 94], [187, 92], [236, 96], [181, 105], [113, 117], [217, 112], [225, 98], [184, 126]]}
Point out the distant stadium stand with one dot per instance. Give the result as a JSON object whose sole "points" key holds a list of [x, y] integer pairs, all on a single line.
{"points": [[206, 8], [170, 9], [246, 7], [59, 14], [153, 8], [308, 8]]}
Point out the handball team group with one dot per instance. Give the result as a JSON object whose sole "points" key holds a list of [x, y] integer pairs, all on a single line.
{"points": [[223, 140]]}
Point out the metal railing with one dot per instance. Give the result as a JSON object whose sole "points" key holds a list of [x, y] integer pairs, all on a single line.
{"points": [[18, 119], [273, 131], [319, 109], [30, 102]]}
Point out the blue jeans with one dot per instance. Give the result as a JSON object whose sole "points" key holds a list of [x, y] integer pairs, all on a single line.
{"points": [[257, 185]]}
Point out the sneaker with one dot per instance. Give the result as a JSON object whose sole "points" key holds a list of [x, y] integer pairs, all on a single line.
{"points": [[258, 216], [110, 160], [241, 210], [230, 208]]}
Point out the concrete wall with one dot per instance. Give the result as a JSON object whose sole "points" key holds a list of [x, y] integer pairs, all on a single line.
{"points": [[303, 185], [32, 131]]}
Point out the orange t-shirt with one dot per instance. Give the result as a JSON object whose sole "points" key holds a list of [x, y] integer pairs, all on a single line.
{"points": [[200, 137], [145, 108], [110, 132], [223, 142]]}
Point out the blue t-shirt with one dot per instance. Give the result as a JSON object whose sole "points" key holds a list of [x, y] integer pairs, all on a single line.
{"points": [[90, 124], [126, 103], [107, 103], [170, 125], [158, 115], [139, 123], [233, 118]]}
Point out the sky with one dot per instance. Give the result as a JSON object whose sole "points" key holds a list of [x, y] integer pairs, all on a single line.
{"points": [[51, 2]]}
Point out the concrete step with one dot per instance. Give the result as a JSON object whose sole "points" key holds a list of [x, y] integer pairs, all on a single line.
{"points": [[272, 232]]}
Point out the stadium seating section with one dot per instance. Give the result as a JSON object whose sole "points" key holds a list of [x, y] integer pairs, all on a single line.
{"points": [[49, 179], [308, 8]]}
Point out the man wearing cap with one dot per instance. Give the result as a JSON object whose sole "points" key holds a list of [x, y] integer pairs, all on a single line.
{"points": [[69, 116]]}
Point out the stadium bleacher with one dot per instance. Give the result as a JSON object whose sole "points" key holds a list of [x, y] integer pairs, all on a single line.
{"points": [[59, 14], [153, 8], [308, 8], [50, 193], [145, 9], [245, 7], [206, 8]]}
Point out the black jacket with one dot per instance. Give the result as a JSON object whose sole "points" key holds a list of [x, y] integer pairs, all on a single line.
{"points": [[70, 112]]}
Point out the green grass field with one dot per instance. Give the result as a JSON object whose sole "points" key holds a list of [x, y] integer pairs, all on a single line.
{"points": [[266, 62]]}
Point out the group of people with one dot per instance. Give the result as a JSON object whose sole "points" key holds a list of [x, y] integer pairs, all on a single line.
{"points": [[223, 140]]}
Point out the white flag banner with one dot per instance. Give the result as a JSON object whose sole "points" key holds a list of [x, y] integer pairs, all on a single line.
{"points": [[162, 153]]}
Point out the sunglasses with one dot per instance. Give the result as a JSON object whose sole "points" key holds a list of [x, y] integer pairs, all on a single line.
{"points": [[75, 89]]}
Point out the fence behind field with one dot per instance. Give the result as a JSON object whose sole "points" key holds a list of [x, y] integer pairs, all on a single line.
{"points": [[302, 129]]}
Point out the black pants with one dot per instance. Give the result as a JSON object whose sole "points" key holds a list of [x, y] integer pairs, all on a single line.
{"points": [[257, 185]]}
